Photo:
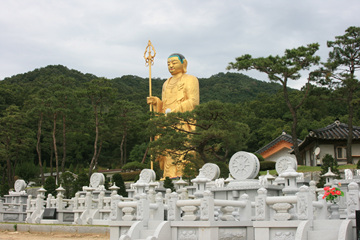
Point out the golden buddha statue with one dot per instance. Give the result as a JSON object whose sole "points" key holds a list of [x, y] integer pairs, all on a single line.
{"points": [[180, 93]]}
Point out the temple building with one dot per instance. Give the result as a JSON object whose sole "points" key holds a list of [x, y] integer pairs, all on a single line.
{"points": [[331, 140]]}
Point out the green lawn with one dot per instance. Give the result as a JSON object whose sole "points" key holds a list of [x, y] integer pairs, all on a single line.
{"points": [[310, 169]]}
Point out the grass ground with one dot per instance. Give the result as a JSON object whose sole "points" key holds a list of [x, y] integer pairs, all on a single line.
{"points": [[311, 169]]}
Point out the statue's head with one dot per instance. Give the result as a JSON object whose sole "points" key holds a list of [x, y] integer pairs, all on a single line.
{"points": [[177, 63]]}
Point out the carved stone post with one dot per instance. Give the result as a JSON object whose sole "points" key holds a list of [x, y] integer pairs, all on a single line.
{"points": [[143, 208], [173, 210], [159, 212], [116, 213], [352, 202], [48, 201], [245, 212], [207, 207], [304, 204], [261, 208]]}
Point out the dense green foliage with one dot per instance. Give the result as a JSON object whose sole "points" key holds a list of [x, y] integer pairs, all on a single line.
{"points": [[328, 162], [53, 118], [50, 186], [119, 182], [168, 184], [341, 73], [28, 97], [267, 165], [282, 69]]}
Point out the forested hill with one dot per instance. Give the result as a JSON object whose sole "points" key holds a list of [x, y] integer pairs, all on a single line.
{"points": [[234, 88], [225, 87]]}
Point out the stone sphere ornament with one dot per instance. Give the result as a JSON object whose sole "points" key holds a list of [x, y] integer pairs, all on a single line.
{"points": [[283, 163], [19, 185], [244, 165], [211, 171], [147, 175], [97, 179]]}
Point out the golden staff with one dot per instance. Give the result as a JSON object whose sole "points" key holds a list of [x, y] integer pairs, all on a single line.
{"points": [[149, 61]]}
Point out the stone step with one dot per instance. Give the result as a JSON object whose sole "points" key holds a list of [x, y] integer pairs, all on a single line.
{"points": [[146, 233], [323, 234], [326, 224], [153, 224]]}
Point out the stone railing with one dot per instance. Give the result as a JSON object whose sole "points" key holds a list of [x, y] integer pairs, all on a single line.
{"points": [[35, 207], [90, 210], [281, 208], [148, 207], [209, 209]]}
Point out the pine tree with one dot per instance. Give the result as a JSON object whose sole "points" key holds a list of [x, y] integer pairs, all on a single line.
{"points": [[119, 182], [169, 184]]}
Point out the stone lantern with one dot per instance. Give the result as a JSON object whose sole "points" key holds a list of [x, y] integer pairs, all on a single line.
{"points": [[329, 177], [180, 184], [114, 189], [200, 182], [41, 192], [60, 191], [290, 176]]}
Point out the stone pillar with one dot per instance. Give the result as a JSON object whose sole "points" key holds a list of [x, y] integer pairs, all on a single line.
{"points": [[352, 197], [245, 212], [261, 208], [207, 207], [48, 201], [143, 208], [312, 190], [173, 210], [116, 213], [304, 204], [159, 211]]}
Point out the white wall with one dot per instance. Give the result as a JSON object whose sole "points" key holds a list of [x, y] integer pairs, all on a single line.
{"points": [[282, 153]]}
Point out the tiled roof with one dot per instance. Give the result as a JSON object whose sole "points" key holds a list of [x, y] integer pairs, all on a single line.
{"points": [[283, 137], [334, 131]]}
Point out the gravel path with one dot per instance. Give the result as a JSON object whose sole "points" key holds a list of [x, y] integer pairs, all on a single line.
{"points": [[6, 235]]}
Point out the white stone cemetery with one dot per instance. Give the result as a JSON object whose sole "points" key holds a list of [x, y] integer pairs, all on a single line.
{"points": [[287, 207]]}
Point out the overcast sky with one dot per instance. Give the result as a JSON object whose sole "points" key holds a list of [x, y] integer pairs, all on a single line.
{"points": [[108, 38]]}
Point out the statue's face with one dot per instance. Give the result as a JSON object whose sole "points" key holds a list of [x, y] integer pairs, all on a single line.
{"points": [[175, 66]]}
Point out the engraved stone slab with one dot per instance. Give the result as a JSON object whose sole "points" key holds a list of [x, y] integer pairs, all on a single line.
{"points": [[282, 164], [19, 185], [244, 165], [211, 171], [187, 234], [97, 179]]}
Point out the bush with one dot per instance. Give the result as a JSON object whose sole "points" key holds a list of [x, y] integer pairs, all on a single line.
{"points": [[82, 180], [261, 159], [130, 176], [118, 180], [4, 188], [169, 184], [224, 169], [67, 182], [328, 162], [133, 166], [267, 165], [50, 186]]}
